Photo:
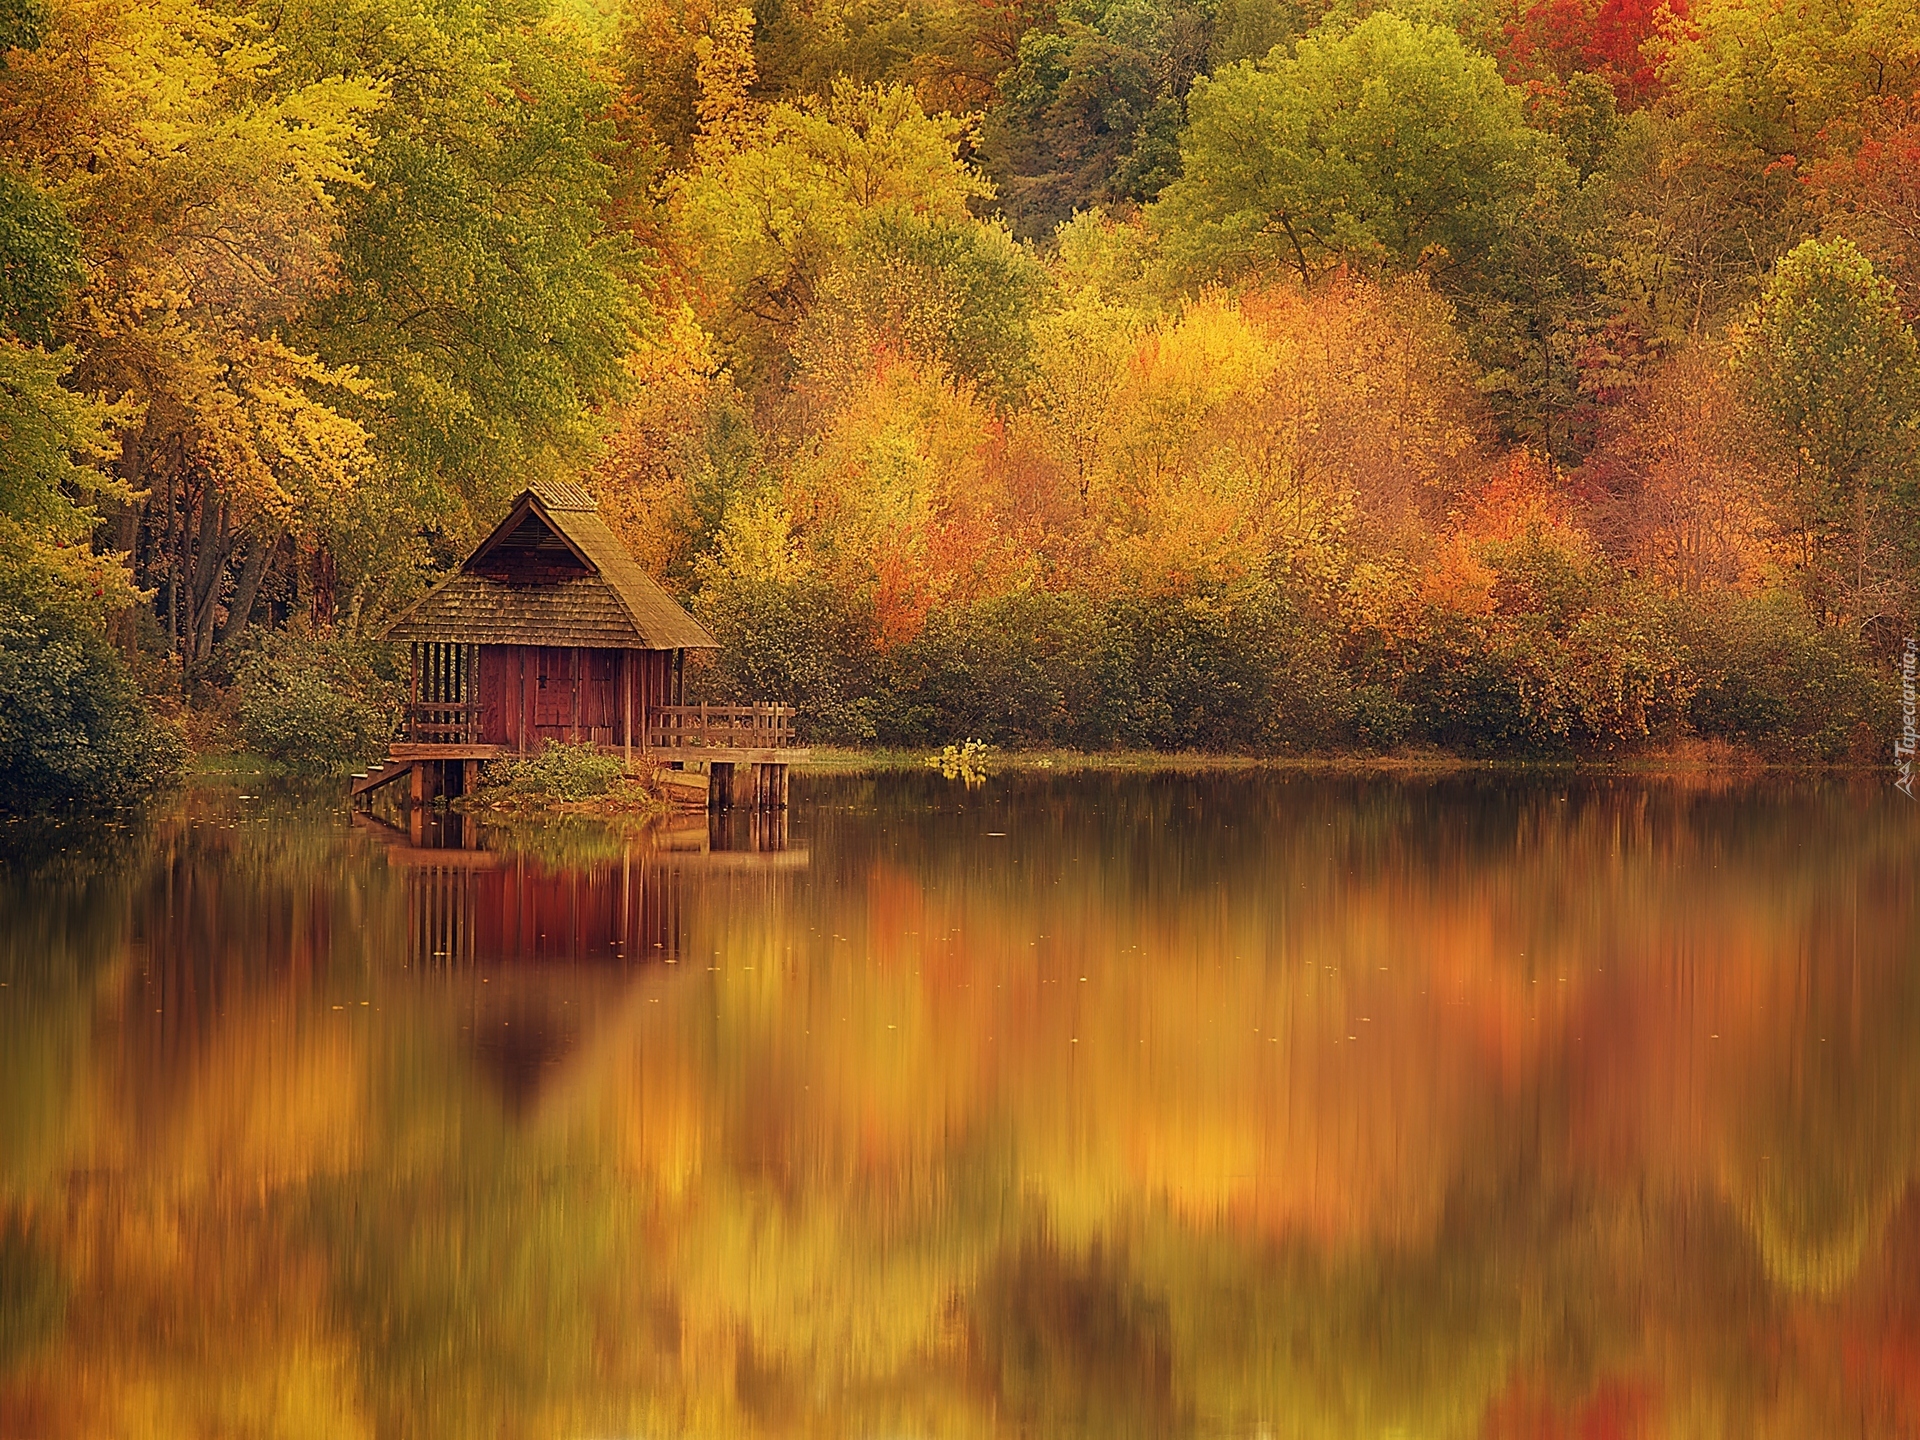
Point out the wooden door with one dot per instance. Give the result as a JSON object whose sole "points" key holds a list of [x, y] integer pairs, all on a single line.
{"points": [[599, 693], [498, 695], [555, 692]]}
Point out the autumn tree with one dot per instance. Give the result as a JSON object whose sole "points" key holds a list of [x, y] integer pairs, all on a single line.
{"points": [[1872, 195], [1675, 488], [760, 228], [1835, 372], [202, 196], [1389, 144], [1092, 112], [73, 733]]}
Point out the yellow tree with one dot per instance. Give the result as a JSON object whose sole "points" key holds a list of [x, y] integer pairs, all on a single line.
{"points": [[204, 197]]}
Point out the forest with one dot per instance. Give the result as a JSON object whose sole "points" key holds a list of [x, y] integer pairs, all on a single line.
{"points": [[1504, 379]]}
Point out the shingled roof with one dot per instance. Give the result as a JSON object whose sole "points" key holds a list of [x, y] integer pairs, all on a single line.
{"points": [[552, 573]]}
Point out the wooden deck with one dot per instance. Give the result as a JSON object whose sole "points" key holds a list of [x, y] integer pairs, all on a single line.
{"points": [[755, 742]]}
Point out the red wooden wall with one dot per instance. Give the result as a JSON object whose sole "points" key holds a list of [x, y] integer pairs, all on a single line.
{"points": [[612, 911], [530, 694]]}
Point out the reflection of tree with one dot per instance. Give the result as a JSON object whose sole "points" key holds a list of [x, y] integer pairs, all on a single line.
{"points": [[1826, 1150], [63, 912], [1074, 1345], [1447, 1107]]}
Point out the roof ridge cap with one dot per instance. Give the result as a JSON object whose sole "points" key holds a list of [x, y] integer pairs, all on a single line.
{"points": [[557, 494]]}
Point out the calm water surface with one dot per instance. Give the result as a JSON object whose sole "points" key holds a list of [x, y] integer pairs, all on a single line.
{"points": [[1103, 1106]]}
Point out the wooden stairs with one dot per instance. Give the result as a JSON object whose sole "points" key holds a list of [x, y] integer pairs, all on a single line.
{"points": [[378, 775]]}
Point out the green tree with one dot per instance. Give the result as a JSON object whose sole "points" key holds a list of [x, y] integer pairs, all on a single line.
{"points": [[480, 291], [1092, 112], [1389, 144], [1833, 368], [74, 731], [39, 259]]}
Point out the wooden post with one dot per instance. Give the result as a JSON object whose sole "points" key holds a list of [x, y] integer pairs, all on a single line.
{"points": [[520, 701], [573, 665], [626, 689]]}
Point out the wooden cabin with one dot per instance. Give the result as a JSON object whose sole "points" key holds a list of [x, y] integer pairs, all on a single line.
{"points": [[549, 630]]}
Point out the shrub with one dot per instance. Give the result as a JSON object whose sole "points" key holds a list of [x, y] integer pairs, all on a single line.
{"points": [[557, 774], [1770, 677], [1020, 670], [1570, 658], [799, 642], [314, 702], [1174, 673], [74, 731], [1203, 672]]}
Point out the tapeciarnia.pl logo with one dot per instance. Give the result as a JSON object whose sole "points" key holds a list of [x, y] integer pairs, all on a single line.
{"points": [[1903, 748]]}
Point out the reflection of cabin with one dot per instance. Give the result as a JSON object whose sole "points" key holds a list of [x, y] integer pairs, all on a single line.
{"points": [[468, 904], [550, 631], [547, 956], [470, 907]]}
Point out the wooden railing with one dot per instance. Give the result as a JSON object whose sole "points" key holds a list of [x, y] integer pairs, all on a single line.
{"points": [[439, 723], [738, 727]]}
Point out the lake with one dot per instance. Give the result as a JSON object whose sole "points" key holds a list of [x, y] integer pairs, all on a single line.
{"points": [[1230, 1103]]}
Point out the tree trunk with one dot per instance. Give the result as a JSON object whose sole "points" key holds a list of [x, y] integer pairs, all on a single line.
{"points": [[1860, 544], [209, 570], [240, 610]]}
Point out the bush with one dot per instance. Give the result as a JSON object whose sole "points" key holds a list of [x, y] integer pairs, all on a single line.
{"points": [[1036, 668], [1022, 670], [799, 642], [316, 703], [556, 775], [1768, 676], [1573, 659], [1202, 672], [74, 731]]}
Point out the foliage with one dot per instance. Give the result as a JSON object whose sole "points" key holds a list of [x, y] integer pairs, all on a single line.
{"points": [[50, 434], [759, 228], [795, 639], [316, 702], [1146, 372], [478, 288], [1387, 143], [1835, 372], [1091, 113], [1603, 40], [39, 260], [75, 734], [1769, 676], [558, 774]]}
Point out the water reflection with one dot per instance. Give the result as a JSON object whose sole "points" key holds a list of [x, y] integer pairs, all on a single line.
{"points": [[471, 906], [1103, 1106]]}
